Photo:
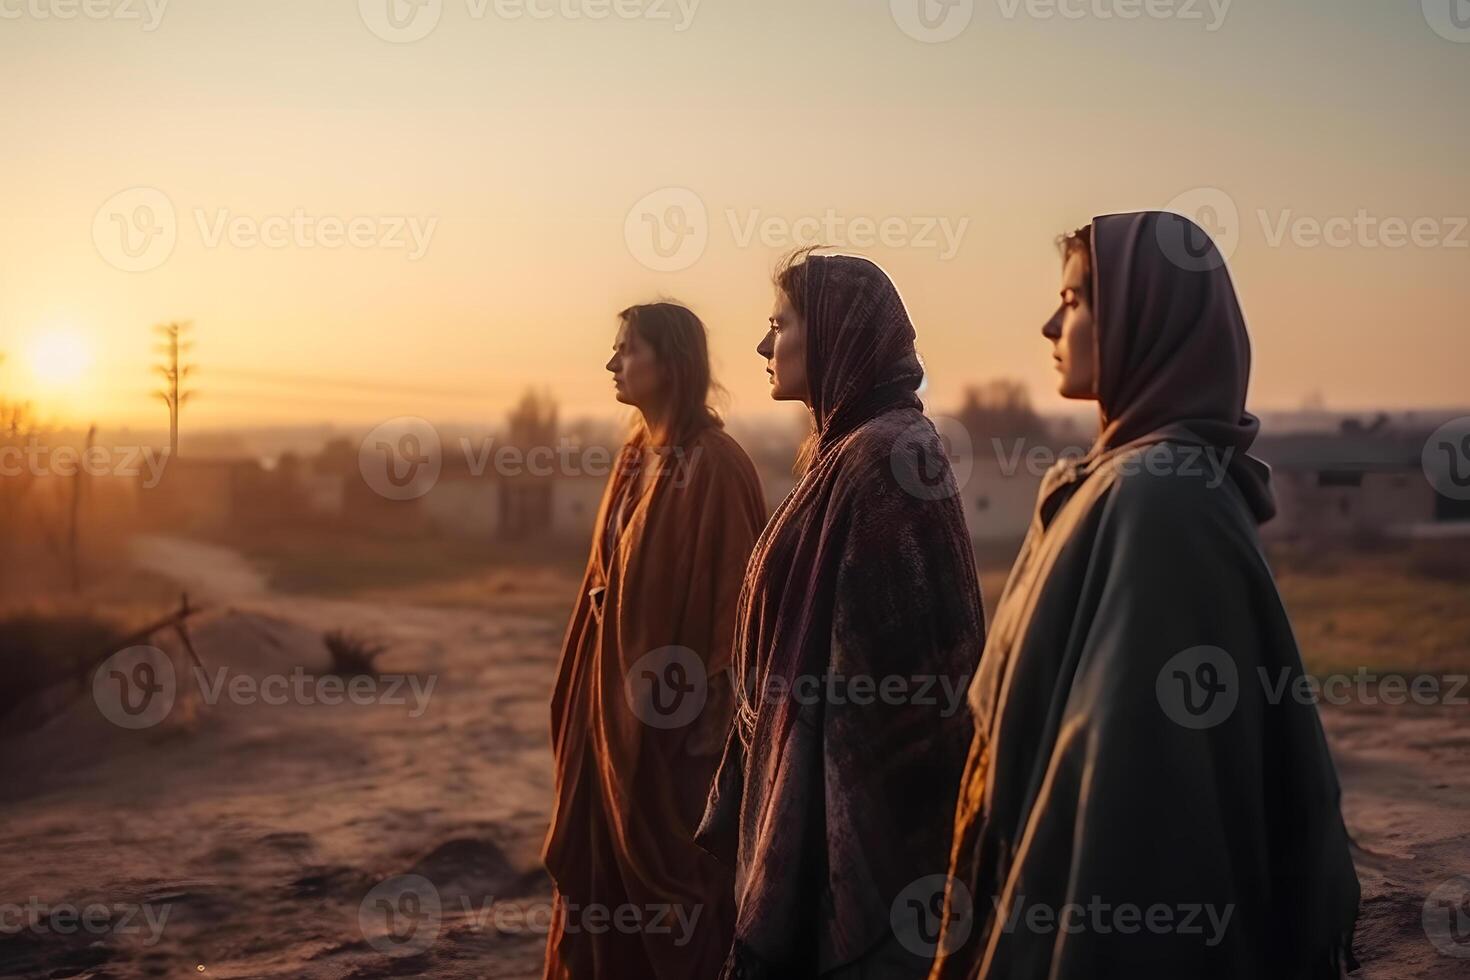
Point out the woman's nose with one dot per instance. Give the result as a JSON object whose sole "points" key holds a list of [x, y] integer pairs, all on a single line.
{"points": [[1052, 329], [612, 364], [766, 348]]}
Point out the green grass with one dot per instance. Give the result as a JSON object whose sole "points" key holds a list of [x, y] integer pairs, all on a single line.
{"points": [[1397, 607], [346, 562], [1383, 606]]}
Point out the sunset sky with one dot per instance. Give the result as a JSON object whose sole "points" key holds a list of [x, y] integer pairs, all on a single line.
{"points": [[517, 138]]}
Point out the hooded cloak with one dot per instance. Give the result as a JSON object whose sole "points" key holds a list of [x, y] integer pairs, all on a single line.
{"points": [[832, 797], [632, 765], [1133, 746]]}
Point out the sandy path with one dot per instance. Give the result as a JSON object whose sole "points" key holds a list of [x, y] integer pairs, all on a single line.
{"points": [[261, 831]]}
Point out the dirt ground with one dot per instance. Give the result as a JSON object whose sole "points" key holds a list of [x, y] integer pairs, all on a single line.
{"points": [[254, 840]]}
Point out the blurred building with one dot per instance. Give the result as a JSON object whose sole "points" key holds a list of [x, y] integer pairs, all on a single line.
{"points": [[1359, 482]]}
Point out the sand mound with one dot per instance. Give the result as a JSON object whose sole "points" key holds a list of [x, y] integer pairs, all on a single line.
{"points": [[77, 723]]}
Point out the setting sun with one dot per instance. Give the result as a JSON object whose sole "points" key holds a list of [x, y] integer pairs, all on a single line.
{"points": [[59, 358]]}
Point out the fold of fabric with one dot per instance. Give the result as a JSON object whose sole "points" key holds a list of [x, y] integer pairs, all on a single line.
{"points": [[1133, 749], [630, 785], [832, 796]]}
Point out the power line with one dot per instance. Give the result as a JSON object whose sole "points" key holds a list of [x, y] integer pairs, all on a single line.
{"points": [[357, 384]]}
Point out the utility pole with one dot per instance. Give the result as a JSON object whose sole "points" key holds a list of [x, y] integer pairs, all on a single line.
{"points": [[80, 482], [175, 345]]}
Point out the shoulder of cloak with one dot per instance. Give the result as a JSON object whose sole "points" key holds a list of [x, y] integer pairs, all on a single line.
{"points": [[716, 462], [1174, 497], [864, 457]]}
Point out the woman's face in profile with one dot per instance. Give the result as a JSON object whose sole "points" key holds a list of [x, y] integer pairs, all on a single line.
{"points": [[637, 379], [784, 349], [1072, 333]]}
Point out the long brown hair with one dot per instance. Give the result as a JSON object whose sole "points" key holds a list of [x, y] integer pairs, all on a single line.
{"points": [[681, 344]]}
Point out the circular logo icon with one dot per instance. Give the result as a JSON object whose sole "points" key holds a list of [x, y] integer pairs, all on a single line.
{"points": [[932, 460], [1208, 239], [1446, 459], [1450, 19], [667, 231], [932, 21], [402, 458], [401, 21], [1447, 917], [136, 230], [667, 688], [401, 916], [135, 688], [917, 916], [1199, 687]]}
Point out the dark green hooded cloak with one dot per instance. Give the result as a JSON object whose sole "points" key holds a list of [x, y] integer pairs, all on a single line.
{"points": [[1143, 798]]}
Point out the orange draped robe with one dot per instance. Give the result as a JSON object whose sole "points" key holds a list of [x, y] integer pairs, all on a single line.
{"points": [[639, 715]]}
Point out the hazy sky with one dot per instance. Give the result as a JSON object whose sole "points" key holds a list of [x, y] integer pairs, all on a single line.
{"points": [[147, 151]]}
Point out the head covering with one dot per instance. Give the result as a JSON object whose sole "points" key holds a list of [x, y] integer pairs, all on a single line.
{"points": [[1172, 348], [1097, 774], [859, 574], [860, 358]]}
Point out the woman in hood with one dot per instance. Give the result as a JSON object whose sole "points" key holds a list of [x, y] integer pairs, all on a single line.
{"points": [[641, 706], [859, 626], [1145, 796]]}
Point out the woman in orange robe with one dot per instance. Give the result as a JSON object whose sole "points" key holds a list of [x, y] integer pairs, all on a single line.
{"points": [[642, 701]]}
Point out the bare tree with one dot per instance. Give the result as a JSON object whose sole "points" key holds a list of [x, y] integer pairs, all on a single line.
{"points": [[18, 432], [174, 347], [1001, 409], [533, 421], [526, 498]]}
